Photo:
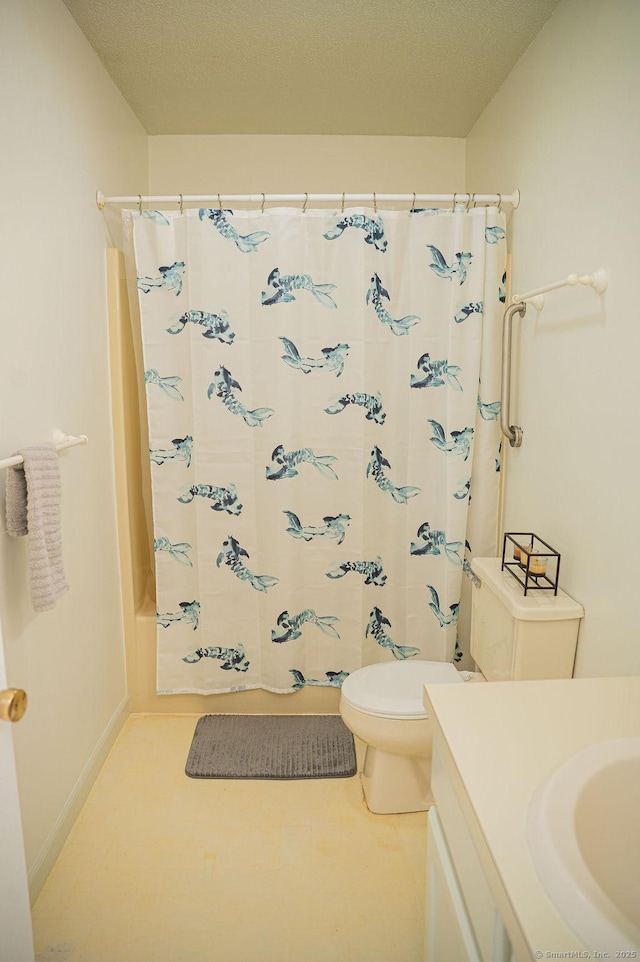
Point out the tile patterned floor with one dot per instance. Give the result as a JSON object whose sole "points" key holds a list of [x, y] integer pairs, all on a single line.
{"points": [[164, 868]]}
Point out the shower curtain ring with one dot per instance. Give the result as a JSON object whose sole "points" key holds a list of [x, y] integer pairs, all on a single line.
{"points": [[342, 202], [473, 198], [499, 202], [453, 205], [375, 203], [413, 204], [262, 205], [139, 203], [304, 206], [468, 204], [219, 203], [181, 206]]}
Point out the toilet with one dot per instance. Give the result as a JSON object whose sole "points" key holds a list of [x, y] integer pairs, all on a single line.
{"points": [[513, 638]]}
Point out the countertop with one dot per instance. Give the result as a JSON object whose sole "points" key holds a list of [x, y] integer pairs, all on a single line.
{"points": [[500, 741]]}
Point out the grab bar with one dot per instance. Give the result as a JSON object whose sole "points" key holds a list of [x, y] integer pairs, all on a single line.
{"points": [[599, 280], [511, 431]]}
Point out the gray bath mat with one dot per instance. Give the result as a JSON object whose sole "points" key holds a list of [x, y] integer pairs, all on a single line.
{"points": [[271, 746]]}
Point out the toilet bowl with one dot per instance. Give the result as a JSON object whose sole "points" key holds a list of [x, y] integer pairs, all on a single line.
{"points": [[513, 638], [382, 705]]}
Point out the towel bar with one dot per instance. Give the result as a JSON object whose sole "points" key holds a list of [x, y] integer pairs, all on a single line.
{"points": [[59, 439]]}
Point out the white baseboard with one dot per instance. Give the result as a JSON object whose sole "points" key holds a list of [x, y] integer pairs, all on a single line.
{"points": [[64, 823]]}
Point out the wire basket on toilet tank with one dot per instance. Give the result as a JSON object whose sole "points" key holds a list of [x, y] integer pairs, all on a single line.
{"points": [[533, 563]]}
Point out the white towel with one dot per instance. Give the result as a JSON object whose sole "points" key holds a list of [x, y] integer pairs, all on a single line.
{"points": [[33, 508]]}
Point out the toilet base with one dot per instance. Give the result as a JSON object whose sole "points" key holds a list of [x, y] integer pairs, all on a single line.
{"points": [[396, 784]]}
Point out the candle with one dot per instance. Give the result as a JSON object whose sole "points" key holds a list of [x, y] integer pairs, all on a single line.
{"points": [[538, 566], [516, 552]]}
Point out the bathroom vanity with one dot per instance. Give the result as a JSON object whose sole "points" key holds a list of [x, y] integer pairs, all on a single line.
{"points": [[495, 745]]}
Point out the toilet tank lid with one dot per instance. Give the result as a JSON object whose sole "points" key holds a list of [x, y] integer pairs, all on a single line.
{"points": [[395, 689], [536, 606]]}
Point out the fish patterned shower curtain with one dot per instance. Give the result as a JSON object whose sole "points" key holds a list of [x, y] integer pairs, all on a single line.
{"points": [[322, 392]]}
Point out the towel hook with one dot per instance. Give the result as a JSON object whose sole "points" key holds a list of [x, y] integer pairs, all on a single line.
{"points": [[304, 206]]}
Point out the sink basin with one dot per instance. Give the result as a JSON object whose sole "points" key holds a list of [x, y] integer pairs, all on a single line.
{"points": [[583, 830]]}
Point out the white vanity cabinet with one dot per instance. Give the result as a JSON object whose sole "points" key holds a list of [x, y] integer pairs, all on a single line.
{"points": [[494, 745], [463, 923], [449, 936]]}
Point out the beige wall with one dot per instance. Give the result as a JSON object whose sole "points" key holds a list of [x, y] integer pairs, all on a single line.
{"points": [[565, 129], [66, 131], [313, 163]]}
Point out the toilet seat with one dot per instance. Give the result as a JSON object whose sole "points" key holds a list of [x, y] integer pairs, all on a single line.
{"points": [[394, 689]]}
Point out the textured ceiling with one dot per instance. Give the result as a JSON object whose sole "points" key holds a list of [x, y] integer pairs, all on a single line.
{"points": [[414, 67]]}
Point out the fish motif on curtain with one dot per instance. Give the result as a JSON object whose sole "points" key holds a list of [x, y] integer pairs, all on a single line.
{"points": [[332, 359], [435, 374], [247, 244], [284, 284], [215, 325], [372, 570], [373, 229], [375, 628], [248, 319], [377, 295], [223, 499]]}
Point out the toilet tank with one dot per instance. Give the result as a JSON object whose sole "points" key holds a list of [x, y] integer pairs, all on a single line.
{"points": [[514, 638]]}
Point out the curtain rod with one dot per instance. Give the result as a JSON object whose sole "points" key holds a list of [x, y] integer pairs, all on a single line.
{"points": [[463, 197]]}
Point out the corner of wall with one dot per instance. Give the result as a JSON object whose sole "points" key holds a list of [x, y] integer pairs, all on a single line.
{"points": [[59, 833]]}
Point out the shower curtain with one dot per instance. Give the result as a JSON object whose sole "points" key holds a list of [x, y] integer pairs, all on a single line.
{"points": [[322, 392]]}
